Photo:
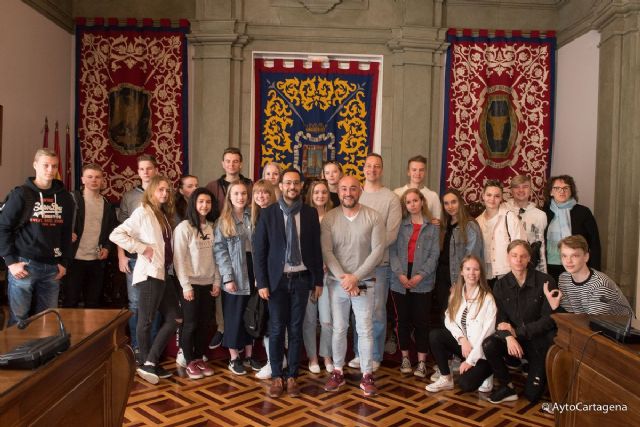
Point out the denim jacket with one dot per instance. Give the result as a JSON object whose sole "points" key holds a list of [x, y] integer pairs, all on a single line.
{"points": [[425, 258], [230, 254], [458, 249]]}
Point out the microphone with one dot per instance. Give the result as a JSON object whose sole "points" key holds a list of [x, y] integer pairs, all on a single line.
{"points": [[22, 324], [38, 351], [630, 312]]}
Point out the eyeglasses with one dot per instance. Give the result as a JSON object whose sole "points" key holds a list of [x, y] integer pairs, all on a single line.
{"points": [[563, 189], [520, 212]]}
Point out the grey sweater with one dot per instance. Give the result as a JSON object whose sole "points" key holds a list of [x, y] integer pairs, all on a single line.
{"points": [[387, 204], [354, 247]]}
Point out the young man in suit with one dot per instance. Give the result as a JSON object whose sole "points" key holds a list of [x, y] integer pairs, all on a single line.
{"points": [[287, 261]]}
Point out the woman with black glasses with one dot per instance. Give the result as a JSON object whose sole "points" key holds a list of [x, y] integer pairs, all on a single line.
{"points": [[566, 218]]}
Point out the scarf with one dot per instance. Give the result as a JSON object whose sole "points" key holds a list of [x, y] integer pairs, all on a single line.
{"points": [[292, 254], [559, 228]]}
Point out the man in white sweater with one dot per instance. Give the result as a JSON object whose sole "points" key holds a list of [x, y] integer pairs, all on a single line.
{"points": [[386, 203], [416, 171], [533, 219], [353, 244]]}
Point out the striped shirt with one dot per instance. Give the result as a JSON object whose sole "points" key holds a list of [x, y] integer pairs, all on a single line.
{"points": [[587, 297]]}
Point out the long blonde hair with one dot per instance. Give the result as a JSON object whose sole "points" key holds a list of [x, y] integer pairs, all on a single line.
{"points": [[458, 288], [165, 210], [227, 222], [264, 185]]}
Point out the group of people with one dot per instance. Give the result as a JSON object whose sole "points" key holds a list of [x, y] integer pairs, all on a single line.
{"points": [[324, 251]]}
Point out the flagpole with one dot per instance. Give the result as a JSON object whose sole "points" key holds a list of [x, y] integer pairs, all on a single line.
{"points": [[67, 177], [56, 148], [45, 142]]}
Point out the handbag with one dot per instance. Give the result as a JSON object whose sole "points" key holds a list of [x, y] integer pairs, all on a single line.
{"points": [[255, 315]]}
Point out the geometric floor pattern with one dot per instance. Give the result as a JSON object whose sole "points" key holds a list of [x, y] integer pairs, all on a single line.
{"points": [[229, 400]]}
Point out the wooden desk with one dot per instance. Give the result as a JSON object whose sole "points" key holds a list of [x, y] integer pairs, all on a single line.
{"points": [[87, 385], [609, 374]]}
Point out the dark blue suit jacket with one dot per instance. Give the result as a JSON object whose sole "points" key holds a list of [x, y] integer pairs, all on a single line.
{"points": [[270, 244]]}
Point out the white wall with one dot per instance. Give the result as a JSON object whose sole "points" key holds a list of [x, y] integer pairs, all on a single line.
{"points": [[35, 81], [574, 145]]}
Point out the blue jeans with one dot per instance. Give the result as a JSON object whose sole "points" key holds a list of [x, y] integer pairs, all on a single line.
{"points": [[133, 293], [341, 306], [383, 279], [39, 284], [287, 305], [318, 309]]}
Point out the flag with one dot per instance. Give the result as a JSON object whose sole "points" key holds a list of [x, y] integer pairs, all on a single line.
{"points": [[67, 164], [45, 143], [56, 148]]}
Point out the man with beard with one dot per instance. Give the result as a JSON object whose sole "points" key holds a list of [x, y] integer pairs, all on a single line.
{"points": [[353, 244], [287, 261]]}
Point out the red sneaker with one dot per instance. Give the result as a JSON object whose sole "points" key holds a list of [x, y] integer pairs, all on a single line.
{"points": [[368, 385], [193, 371], [206, 370], [336, 380]]}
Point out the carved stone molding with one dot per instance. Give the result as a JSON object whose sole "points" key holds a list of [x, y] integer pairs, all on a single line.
{"points": [[404, 39], [322, 6], [319, 6], [58, 11], [605, 12]]}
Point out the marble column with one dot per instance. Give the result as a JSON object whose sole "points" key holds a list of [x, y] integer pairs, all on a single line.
{"points": [[617, 190]]}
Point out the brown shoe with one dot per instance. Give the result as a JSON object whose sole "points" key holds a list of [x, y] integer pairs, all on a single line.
{"points": [[276, 387], [292, 388]]}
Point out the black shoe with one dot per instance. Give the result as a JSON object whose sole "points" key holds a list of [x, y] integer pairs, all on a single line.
{"points": [[513, 363], [236, 367], [503, 394], [138, 357], [248, 362], [216, 341], [162, 373], [148, 373]]}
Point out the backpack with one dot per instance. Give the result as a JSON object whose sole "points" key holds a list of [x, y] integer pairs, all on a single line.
{"points": [[255, 316], [27, 209]]}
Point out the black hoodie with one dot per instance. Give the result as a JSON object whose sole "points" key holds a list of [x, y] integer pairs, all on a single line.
{"points": [[46, 237]]}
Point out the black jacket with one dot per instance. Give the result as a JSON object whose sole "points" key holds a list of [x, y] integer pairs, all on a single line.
{"points": [[584, 224], [109, 222], [270, 244], [46, 237], [526, 308]]}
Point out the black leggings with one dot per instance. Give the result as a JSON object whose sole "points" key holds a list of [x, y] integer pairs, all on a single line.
{"points": [[443, 346], [156, 295], [198, 316], [412, 314]]}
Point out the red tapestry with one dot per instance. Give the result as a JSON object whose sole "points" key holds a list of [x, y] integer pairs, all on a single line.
{"points": [[498, 110], [131, 98]]}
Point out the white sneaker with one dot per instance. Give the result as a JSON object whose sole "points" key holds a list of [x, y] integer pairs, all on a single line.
{"points": [[354, 363], [180, 360], [265, 372], [487, 385], [314, 368], [436, 374], [329, 367], [443, 383], [375, 365]]}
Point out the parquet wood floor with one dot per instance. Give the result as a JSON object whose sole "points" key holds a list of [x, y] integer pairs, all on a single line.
{"points": [[228, 400]]}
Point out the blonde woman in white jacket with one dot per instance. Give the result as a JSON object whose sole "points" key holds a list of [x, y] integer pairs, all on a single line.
{"points": [[199, 279], [499, 227], [148, 232], [469, 319]]}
